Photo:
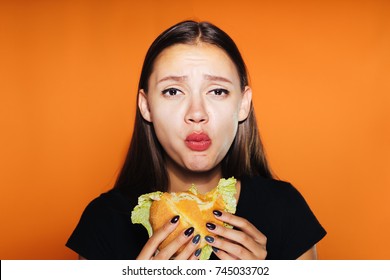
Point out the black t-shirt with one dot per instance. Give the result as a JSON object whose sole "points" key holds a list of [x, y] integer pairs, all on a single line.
{"points": [[276, 208]]}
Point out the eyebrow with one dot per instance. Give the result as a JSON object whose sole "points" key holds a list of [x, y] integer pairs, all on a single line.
{"points": [[173, 78], [217, 78], [183, 78]]}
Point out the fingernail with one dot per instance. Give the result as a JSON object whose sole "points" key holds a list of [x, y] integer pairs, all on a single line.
{"points": [[175, 219], [215, 249], [189, 231], [217, 213], [197, 252], [196, 239], [209, 239], [210, 226]]}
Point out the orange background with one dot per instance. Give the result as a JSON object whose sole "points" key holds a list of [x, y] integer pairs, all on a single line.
{"points": [[320, 71]]}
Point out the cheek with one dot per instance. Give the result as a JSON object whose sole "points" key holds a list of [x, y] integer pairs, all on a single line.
{"points": [[225, 126], [166, 124]]}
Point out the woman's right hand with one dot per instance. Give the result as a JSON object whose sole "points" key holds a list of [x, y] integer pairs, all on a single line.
{"points": [[150, 250]]}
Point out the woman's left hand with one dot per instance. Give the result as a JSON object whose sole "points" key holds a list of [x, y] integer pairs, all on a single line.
{"points": [[248, 243]]}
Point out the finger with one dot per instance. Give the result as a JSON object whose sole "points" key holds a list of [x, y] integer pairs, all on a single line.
{"points": [[230, 248], [244, 242], [197, 254], [236, 236], [190, 251], [194, 257], [222, 255], [155, 240], [242, 224], [175, 245]]}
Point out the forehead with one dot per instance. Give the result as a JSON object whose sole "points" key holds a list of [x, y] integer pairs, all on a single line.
{"points": [[183, 59]]}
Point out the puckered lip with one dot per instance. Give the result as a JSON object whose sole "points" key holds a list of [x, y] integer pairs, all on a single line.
{"points": [[198, 141]]}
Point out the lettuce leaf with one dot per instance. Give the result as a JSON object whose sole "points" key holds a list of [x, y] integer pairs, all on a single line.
{"points": [[227, 188], [141, 212], [206, 252]]}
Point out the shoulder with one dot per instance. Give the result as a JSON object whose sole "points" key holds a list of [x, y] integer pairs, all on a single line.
{"points": [[109, 203], [268, 190], [107, 212], [105, 230], [273, 195], [279, 210]]}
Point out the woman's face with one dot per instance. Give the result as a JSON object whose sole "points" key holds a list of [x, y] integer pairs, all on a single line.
{"points": [[195, 104]]}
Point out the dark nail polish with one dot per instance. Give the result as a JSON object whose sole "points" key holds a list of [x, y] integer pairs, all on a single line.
{"points": [[209, 239], [210, 226], [217, 213], [197, 252], [175, 219], [215, 249], [189, 231], [196, 239]]}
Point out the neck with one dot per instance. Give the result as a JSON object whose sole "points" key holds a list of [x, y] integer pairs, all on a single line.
{"points": [[181, 180]]}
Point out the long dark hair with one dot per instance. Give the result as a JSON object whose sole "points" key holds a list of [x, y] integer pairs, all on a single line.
{"points": [[144, 169]]}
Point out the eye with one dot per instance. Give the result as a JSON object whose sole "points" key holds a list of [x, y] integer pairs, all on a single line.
{"points": [[171, 91], [219, 91]]}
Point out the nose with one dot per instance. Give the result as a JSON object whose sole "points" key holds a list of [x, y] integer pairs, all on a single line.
{"points": [[196, 112]]}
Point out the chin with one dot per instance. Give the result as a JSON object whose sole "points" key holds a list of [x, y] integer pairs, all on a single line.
{"points": [[195, 163], [200, 167]]}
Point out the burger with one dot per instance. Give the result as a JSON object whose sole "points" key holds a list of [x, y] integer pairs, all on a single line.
{"points": [[195, 210]]}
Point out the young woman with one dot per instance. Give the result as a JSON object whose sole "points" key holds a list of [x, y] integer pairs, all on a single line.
{"points": [[195, 124]]}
